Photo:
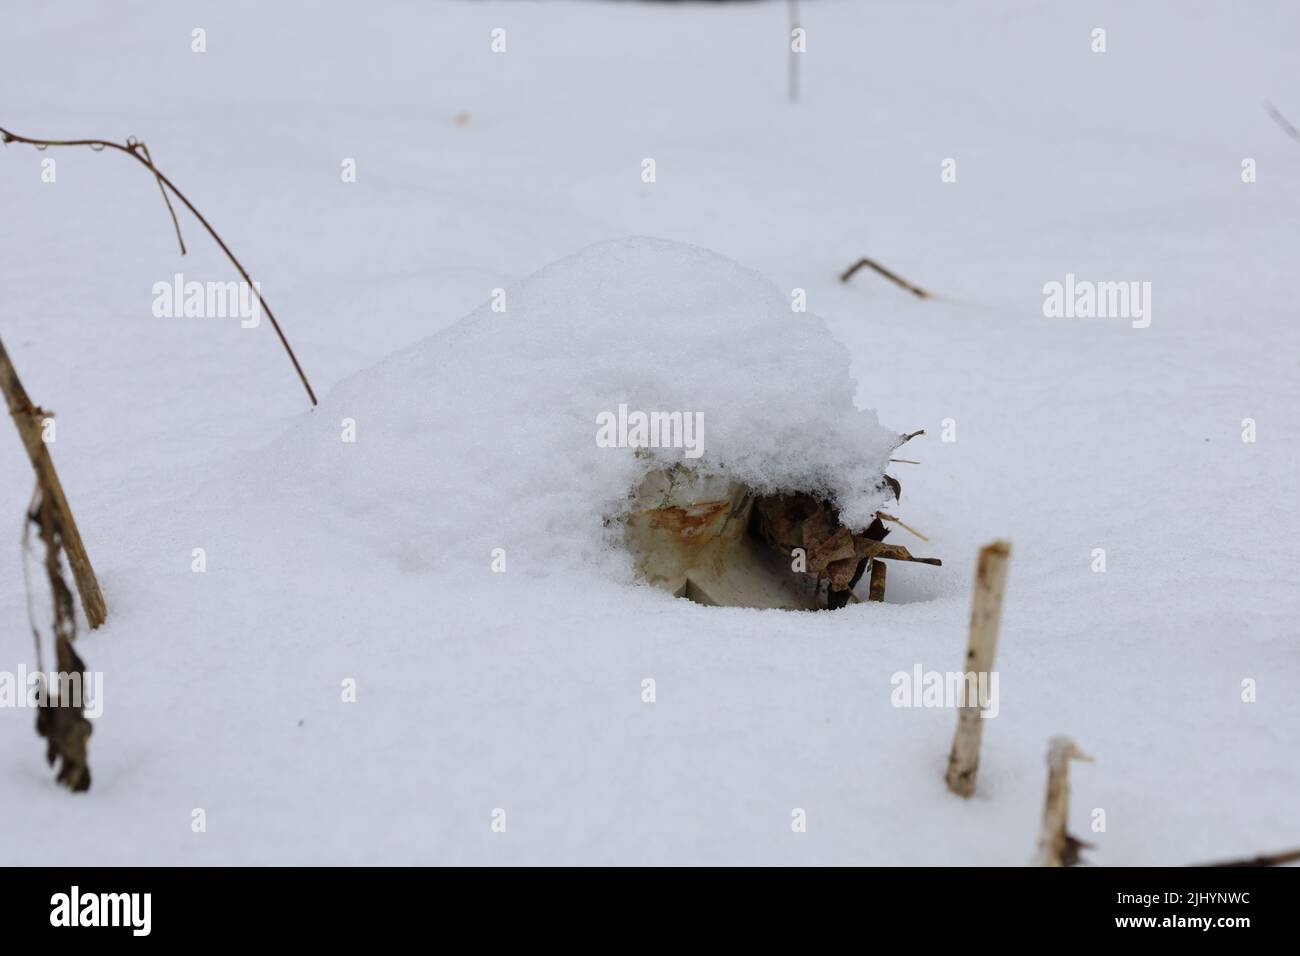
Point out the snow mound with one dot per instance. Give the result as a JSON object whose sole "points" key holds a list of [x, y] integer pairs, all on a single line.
{"points": [[485, 435]]}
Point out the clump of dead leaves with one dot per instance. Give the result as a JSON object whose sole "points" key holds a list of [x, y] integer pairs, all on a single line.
{"points": [[832, 552]]}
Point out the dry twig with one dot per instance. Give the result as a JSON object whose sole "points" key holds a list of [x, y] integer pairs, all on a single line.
{"points": [[891, 276], [792, 76], [1056, 846], [1268, 859], [1282, 121], [140, 153], [902, 524]]}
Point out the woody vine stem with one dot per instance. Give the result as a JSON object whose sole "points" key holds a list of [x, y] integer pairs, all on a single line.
{"points": [[140, 153]]}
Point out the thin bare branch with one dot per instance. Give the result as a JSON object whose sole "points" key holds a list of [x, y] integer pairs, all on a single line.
{"points": [[792, 75], [1282, 121], [162, 189], [136, 151]]}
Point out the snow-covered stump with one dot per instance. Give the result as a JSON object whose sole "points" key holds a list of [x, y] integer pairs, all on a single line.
{"points": [[753, 481], [985, 619], [1056, 847]]}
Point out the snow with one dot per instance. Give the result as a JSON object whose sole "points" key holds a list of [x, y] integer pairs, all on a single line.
{"points": [[330, 561]]}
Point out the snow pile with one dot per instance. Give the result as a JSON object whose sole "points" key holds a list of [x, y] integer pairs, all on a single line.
{"points": [[485, 434]]}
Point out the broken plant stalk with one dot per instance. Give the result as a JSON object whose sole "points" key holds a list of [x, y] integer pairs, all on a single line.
{"points": [[62, 722], [1056, 847], [1267, 859], [792, 75], [985, 619], [28, 418], [893, 277]]}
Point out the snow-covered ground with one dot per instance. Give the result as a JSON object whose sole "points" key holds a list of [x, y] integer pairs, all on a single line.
{"points": [[370, 561]]}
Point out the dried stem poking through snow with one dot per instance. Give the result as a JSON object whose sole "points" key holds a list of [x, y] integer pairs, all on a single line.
{"points": [[878, 573], [140, 153], [891, 276], [61, 722], [1056, 847], [28, 418], [985, 619], [1282, 121], [792, 77], [1267, 859]]}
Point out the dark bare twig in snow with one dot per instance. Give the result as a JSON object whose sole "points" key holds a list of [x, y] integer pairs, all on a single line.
{"points": [[892, 277], [985, 620], [1268, 859], [792, 76], [60, 715], [161, 188], [62, 722], [137, 151], [1056, 845], [1282, 121]]}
